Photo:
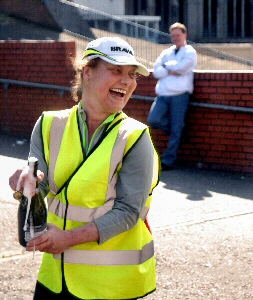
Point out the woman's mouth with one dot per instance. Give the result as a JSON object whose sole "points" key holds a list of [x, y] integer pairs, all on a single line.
{"points": [[118, 93]]}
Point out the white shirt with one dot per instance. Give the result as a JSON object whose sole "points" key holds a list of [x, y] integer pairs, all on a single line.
{"points": [[183, 62]]}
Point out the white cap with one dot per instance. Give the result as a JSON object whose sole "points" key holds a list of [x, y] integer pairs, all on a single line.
{"points": [[115, 51]]}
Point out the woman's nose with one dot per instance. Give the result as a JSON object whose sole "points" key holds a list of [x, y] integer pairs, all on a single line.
{"points": [[125, 78]]}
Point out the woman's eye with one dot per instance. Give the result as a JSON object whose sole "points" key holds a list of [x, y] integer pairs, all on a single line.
{"points": [[136, 76], [114, 70], [118, 71]]}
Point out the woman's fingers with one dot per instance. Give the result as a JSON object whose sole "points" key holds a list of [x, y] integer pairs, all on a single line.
{"points": [[13, 180], [40, 176]]}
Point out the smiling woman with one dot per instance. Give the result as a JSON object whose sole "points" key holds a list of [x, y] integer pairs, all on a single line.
{"points": [[100, 168], [114, 54], [107, 89]]}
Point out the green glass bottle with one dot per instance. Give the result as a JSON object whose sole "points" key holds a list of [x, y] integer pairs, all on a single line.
{"points": [[32, 210]]}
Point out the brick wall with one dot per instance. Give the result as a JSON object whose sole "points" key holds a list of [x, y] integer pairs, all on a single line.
{"points": [[39, 62], [215, 138], [218, 139]]}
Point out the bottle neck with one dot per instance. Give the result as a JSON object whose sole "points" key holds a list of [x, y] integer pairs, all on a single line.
{"points": [[35, 169]]}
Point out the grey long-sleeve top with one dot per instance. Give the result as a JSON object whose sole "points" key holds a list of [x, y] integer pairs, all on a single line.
{"points": [[133, 185]]}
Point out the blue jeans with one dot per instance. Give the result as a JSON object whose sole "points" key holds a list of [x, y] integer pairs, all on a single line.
{"points": [[167, 113]]}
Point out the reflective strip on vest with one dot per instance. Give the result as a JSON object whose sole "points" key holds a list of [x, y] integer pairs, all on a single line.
{"points": [[56, 133], [83, 214], [108, 258]]}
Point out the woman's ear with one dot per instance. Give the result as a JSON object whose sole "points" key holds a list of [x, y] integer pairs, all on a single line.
{"points": [[86, 73]]}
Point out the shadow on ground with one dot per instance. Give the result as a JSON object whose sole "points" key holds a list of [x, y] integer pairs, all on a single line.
{"points": [[199, 184], [16, 147]]}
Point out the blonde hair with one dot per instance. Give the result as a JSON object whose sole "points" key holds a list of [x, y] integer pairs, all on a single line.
{"points": [[77, 83], [178, 26]]}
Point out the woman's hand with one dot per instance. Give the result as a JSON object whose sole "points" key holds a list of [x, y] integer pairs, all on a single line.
{"points": [[13, 180], [54, 241]]}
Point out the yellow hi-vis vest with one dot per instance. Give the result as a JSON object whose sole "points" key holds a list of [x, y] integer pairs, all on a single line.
{"points": [[83, 189]]}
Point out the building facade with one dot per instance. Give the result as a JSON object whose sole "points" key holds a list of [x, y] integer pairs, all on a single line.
{"points": [[208, 21]]}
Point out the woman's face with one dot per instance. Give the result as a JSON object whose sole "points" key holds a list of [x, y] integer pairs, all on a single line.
{"points": [[109, 87]]}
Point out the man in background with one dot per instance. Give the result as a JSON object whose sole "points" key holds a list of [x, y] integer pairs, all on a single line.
{"points": [[174, 71]]}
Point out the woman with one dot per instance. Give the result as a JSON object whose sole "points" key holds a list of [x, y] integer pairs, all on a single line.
{"points": [[99, 168]]}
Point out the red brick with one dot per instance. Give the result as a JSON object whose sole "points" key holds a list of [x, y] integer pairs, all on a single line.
{"points": [[209, 90], [225, 90], [217, 83], [234, 83], [242, 90], [247, 84]]}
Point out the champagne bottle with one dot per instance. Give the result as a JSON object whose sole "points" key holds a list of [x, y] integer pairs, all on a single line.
{"points": [[32, 210]]}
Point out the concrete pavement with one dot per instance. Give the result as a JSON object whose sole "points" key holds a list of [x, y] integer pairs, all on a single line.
{"points": [[184, 195], [202, 225]]}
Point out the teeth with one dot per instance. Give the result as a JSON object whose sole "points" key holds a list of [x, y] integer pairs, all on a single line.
{"points": [[119, 91]]}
